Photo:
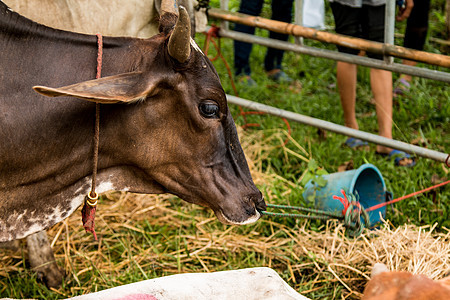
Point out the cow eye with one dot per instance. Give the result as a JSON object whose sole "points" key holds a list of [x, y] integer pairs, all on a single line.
{"points": [[209, 109]]}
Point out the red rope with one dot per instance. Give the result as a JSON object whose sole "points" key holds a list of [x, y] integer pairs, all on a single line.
{"points": [[346, 203], [343, 200], [99, 55], [212, 32], [89, 207], [407, 196]]}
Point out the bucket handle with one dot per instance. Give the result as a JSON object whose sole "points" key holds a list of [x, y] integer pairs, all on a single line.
{"points": [[389, 196]]}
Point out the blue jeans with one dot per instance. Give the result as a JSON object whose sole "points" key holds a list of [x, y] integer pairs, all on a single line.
{"points": [[281, 11]]}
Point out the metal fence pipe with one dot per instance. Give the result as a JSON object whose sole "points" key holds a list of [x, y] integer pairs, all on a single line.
{"points": [[373, 138], [298, 19], [335, 55], [342, 40], [224, 6], [389, 27]]}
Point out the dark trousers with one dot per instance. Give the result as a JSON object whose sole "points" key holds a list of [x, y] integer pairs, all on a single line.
{"points": [[417, 25], [281, 11]]}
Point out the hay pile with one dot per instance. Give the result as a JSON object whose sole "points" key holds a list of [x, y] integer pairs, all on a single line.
{"points": [[143, 236]]}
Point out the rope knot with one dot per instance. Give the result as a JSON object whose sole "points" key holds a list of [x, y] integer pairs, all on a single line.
{"points": [[213, 31], [88, 214], [353, 212]]}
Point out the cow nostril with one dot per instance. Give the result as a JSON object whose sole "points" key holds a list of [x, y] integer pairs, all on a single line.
{"points": [[256, 201], [261, 208], [260, 204]]}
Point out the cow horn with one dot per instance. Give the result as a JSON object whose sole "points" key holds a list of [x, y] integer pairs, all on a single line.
{"points": [[180, 41]]}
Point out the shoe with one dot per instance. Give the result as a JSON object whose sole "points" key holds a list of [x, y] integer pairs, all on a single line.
{"points": [[402, 86], [247, 80], [355, 143], [279, 76], [398, 157]]}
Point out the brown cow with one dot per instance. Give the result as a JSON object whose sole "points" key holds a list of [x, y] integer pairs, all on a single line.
{"points": [[165, 126], [138, 18], [399, 285]]}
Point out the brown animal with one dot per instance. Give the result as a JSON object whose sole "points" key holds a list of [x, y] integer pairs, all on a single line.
{"points": [[165, 126], [138, 18], [387, 285]]}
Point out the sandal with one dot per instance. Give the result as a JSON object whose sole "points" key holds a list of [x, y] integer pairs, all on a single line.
{"points": [[401, 87], [279, 76], [398, 157], [246, 80], [355, 143]]}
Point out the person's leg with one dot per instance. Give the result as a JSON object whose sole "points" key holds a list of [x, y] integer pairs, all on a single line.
{"points": [[347, 22], [372, 24], [407, 77], [381, 83], [380, 80], [416, 30], [242, 50], [346, 81], [281, 11]]}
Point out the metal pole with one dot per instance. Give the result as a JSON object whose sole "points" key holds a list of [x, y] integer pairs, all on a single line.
{"points": [[334, 55], [298, 19], [224, 6], [373, 138], [351, 42], [389, 27]]}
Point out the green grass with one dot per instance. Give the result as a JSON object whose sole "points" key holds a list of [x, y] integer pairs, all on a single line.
{"points": [[165, 241]]}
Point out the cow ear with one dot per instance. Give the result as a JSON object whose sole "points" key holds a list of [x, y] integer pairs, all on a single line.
{"points": [[127, 87]]}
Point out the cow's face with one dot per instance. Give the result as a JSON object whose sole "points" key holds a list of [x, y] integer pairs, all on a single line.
{"points": [[176, 127]]}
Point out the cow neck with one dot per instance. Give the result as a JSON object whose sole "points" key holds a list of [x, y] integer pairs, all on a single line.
{"points": [[91, 199]]}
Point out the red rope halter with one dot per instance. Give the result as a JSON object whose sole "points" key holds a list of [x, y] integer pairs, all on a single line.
{"points": [[90, 203]]}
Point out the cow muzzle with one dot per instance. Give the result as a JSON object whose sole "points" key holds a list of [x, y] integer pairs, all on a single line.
{"points": [[246, 212]]}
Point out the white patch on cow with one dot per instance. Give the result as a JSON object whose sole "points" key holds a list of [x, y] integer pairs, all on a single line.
{"points": [[33, 229], [59, 215], [59, 212], [36, 224], [250, 220], [74, 204], [195, 46], [82, 189], [104, 187]]}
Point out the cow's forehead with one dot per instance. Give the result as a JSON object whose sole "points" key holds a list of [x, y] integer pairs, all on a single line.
{"points": [[206, 62]]}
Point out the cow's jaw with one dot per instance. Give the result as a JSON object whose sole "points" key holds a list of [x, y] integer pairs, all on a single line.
{"points": [[225, 220], [249, 212]]}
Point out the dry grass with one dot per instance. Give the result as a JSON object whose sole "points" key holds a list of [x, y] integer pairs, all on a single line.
{"points": [[143, 236]]}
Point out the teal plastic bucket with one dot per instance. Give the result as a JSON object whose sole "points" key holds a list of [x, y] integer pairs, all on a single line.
{"points": [[366, 181]]}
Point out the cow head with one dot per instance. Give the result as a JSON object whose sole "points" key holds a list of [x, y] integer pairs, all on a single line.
{"points": [[169, 123]]}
